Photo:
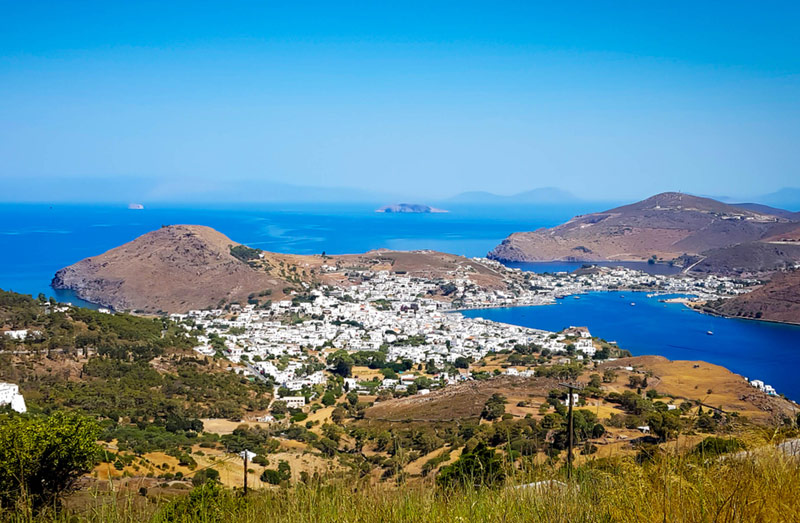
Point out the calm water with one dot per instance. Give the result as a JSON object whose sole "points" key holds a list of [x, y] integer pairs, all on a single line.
{"points": [[552, 267], [766, 351], [37, 240]]}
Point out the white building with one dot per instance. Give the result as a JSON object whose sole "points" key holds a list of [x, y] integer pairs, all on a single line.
{"points": [[585, 346], [9, 395], [295, 402]]}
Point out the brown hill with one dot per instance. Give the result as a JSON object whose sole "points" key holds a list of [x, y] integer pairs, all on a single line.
{"points": [[421, 264], [457, 402], [751, 259], [666, 225], [696, 381], [183, 267], [778, 300], [175, 269]]}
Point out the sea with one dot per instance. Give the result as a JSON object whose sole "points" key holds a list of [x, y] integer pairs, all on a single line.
{"points": [[38, 239], [647, 325]]}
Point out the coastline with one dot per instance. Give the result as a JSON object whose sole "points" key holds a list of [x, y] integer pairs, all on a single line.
{"points": [[686, 302], [710, 312]]}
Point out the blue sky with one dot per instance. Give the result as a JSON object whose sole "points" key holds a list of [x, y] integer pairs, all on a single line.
{"points": [[609, 100]]}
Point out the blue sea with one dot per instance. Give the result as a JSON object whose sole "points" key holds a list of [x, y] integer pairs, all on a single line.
{"points": [[37, 240], [766, 351]]}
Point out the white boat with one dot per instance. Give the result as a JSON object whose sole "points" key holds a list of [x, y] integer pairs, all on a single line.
{"points": [[710, 333], [632, 304]]}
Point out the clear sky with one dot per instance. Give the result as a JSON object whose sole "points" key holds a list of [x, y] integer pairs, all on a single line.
{"points": [[608, 100]]}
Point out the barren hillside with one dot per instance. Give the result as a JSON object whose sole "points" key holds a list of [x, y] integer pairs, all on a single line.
{"points": [[666, 225], [175, 268]]}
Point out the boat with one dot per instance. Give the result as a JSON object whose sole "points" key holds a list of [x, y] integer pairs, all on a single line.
{"points": [[710, 333], [632, 304], [577, 297]]}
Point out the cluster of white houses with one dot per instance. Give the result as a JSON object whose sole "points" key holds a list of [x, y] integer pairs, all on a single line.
{"points": [[763, 387], [409, 319]]}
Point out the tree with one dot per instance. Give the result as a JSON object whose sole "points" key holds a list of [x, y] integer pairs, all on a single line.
{"points": [[204, 476], [42, 457], [609, 376], [494, 408], [328, 399], [389, 373], [352, 398], [341, 363], [338, 415], [664, 425], [276, 476], [461, 362], [594, 381], [279, 407], [481, 467]]}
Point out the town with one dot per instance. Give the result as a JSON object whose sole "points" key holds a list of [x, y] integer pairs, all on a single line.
{"points": [[415, 320]]}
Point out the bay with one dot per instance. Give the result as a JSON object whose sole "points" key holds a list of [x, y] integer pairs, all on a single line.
{"points": [[757, 350]]}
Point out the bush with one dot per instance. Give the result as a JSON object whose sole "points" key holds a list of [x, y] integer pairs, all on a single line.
{"points": [[204, 476], [713, 446], [52, 453], [480, 468], [494, 408]]}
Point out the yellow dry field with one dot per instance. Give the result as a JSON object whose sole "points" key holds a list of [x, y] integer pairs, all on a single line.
{"points": [[710, 384], [415, 467], [322, 416], [224, 426], [365, 373]]}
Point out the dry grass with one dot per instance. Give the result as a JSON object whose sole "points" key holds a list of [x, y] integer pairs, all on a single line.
{"points": [[763, 487]]}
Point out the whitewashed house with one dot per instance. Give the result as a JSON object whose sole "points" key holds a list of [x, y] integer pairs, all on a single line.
{"points": [[294, 402], [9, 395]]}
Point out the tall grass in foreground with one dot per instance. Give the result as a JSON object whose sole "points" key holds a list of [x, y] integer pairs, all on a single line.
{"points": [[764, 489]]}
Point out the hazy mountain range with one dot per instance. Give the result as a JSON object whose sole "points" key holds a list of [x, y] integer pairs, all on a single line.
{"points": [[233, 190]]}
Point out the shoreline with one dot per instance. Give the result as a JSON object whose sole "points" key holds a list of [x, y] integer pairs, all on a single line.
{"points": [[761, 320], [686, 302]]}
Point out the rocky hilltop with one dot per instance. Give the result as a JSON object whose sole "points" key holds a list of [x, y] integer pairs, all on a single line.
{"points": [[175, 268], [666, 226]]}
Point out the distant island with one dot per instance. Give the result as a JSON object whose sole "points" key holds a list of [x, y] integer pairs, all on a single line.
{"points": [[409, 208]]}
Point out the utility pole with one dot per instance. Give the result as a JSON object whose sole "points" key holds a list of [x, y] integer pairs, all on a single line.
{"points": [[246, 455], [245, 471], [570, 388]]}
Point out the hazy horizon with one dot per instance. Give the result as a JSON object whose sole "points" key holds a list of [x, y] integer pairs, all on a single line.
{"points": [[189, 102]]}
